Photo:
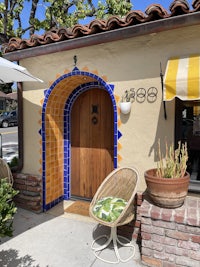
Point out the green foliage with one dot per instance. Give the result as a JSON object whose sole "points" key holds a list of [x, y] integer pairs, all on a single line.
{"points": [[14, 162], [7, 208], [59, 13], [10, 13], [6, 88], [174, 164], [115, 7]]}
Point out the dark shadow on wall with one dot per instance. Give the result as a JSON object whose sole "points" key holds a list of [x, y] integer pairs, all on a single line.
{"points": [[164, 130]]}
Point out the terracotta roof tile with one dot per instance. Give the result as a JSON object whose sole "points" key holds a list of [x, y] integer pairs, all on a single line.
{"points": [[134, 17], [156, 11], [196, 5], [179, 7]]}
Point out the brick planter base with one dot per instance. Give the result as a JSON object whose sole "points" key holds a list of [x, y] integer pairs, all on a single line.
{"points": [[170, 237], [30, 191]]}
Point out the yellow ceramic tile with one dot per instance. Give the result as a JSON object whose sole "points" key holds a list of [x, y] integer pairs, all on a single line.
{"points": [[105, 78], [95, 72], [48, 108], [48, 171], [48, 199], [119, 158], [119, 146], [117, 98], [66, 71], [85, 68], [119, 123]]}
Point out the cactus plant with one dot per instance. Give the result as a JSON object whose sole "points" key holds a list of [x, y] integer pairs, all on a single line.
{"points": [[174, 164]]}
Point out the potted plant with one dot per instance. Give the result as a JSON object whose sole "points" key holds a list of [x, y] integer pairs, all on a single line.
{"points": [[127, 99], [167, 185]]}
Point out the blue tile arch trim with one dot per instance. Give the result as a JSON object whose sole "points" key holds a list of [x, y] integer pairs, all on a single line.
{"points": [[67, 111], [99, 83]]}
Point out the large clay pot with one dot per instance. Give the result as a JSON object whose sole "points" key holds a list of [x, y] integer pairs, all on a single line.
{"points": [[166, 192]]}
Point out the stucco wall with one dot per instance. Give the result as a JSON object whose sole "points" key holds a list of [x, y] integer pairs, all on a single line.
{"points": [[131, 63]]}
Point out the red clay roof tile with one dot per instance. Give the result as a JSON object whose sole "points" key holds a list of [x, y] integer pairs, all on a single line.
{"points": [[134, 17]]}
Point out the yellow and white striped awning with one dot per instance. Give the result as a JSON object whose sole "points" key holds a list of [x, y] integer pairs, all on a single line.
{"points": [[182, 78]]}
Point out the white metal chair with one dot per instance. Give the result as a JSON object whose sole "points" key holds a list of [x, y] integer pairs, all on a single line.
{"points": [[121, 183]]}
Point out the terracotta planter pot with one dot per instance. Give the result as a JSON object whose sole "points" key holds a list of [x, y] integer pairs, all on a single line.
{"points": [[166, 192]]}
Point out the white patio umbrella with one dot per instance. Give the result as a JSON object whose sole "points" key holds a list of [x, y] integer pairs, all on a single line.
{"points": [[11, 72]]}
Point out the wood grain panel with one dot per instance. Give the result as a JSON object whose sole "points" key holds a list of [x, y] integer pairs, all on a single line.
{"points": [[91, 142]]}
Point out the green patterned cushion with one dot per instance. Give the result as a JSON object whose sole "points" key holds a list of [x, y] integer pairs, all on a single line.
{"points": [[109, 208]]}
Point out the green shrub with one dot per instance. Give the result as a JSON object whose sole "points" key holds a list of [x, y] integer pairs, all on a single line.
{"points": [[14, 162], [7, 208]]}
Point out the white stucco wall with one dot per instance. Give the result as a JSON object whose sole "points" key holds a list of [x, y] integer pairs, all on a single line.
{"points": [[131, 63]]}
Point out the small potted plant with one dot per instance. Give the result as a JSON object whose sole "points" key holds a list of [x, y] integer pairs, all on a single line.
{"points": [[127, 99], [167, 185]]}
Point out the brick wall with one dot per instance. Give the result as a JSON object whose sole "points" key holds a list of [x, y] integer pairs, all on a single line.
{"points": [[137, 222], [30, 191], [170, 237]]}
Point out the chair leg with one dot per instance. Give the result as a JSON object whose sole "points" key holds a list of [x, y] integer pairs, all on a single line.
{"points": [[115, 239]]}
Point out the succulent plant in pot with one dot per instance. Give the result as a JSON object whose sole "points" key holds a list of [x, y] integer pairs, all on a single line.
{"points": [[126, 100], [167, 185]]}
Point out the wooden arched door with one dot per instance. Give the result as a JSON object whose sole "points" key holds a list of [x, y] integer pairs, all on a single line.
{"points": [[92, 142]]}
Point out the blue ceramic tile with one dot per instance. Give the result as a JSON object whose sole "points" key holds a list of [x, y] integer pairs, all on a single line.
{"points": [[119, 134], [65, 191], [68, 186], [75, 69], [112, 86], [115, 163], [66, 197]]}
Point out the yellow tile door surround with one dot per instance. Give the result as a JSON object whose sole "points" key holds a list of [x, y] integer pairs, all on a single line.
{"points": [[55, 131]]}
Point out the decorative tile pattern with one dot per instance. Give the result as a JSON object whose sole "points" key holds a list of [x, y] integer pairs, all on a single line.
{"points": [[55, 131]]}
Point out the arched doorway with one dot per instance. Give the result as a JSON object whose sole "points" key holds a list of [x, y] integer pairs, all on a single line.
{"points": [[56, 132], [92, 146]]}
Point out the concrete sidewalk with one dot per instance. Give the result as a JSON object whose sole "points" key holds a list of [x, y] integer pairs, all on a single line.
{"points": [[56, 239]]}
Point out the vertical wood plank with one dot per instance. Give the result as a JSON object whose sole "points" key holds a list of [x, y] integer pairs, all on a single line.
{"points": [[85, 133], [75, 150]]}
